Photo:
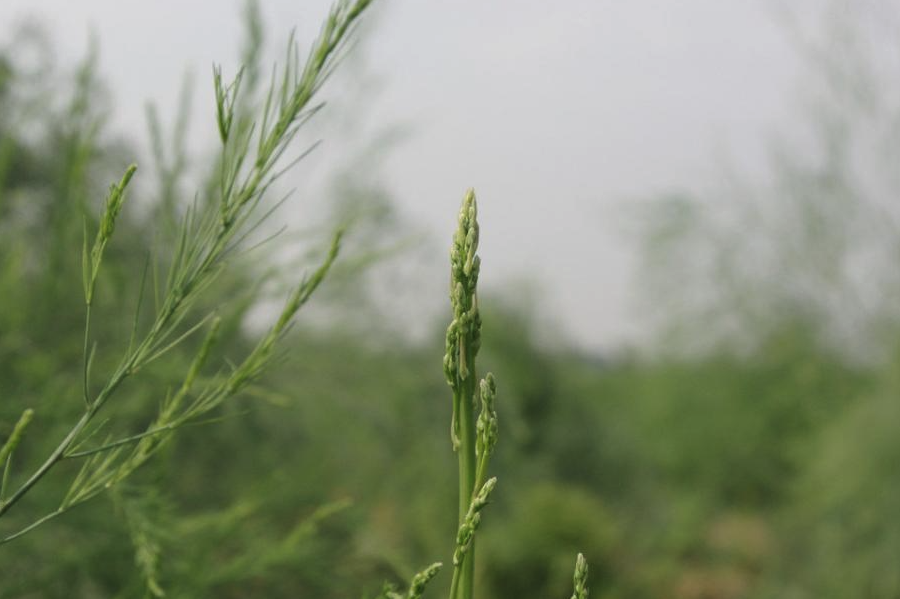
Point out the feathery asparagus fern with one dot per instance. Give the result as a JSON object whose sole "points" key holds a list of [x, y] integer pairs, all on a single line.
{"points": [[209, 235]]}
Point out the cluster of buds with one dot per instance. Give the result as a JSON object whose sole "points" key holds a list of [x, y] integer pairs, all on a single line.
{"points": [[580, 578], [416, 587], [486, 427], [91, 260], [464, 332], [471, 521], [420, 580]]}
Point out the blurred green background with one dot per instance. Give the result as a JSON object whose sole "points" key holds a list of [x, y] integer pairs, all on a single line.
{"points": [[747, 448]]}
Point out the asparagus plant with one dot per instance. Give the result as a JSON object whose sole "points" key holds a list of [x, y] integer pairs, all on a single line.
{"points": [[251, 155], [473, 439], [462, 344]]}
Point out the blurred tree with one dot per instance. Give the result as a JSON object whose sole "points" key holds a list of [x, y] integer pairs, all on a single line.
{"points": [[777, 313], [813, 240]]}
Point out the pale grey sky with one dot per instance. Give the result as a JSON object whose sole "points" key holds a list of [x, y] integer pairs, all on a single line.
{"points": [[559, 113]]}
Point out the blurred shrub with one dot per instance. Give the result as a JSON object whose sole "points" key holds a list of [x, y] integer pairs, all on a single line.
{"points": [[529, 553]]}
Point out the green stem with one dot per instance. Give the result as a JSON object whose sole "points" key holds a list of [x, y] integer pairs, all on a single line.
{"points": [[51, 461], [467, 463], [64, 445], [454, 583], [31, 526], [467, 471], [85, 356]]}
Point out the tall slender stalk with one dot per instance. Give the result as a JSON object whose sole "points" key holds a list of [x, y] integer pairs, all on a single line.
{"points": [[462, 344], [473, 439], [467, 466]]}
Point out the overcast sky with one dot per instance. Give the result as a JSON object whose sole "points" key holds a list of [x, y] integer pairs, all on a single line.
{"points": [[560, 114]]}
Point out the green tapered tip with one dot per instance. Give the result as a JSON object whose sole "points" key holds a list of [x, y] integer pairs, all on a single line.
{"points": [[580, 578]]}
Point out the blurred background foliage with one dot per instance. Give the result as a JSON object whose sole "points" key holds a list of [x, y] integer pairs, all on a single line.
{"points": [[749, 450]]}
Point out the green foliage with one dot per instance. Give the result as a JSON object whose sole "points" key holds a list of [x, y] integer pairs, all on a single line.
{"points": [[208, 235], [212, 234], [747, 458], [843, 523], [530, 552]]}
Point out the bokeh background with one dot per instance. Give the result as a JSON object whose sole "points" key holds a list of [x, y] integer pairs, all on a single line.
{"points": [[689, 240]]}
